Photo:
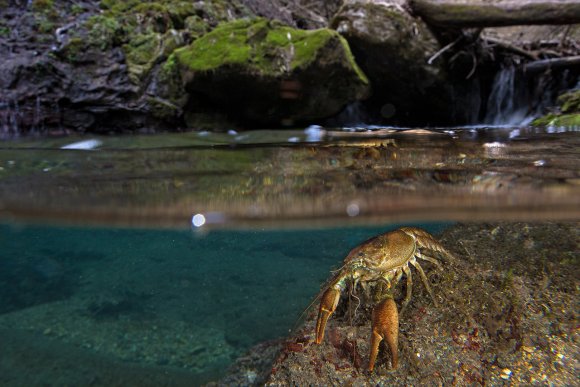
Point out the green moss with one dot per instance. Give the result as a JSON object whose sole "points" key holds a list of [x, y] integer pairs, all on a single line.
{"points": [[305, 43], [44, 25], [143, 48], [44, 12], [179, 11], [352, 61], [196, 26], [150, 17], [170, 83], [570, 120], [570, 102], [144, 51], [226, 45], [141, 53], [162, 109], [4, 30], [268, 46], [104, 31], [170, 65], [42, 5], [73, 49], [119, 5], [77, 9]]}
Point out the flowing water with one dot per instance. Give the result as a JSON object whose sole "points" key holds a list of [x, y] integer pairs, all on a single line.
{"points": [[161, 259]]}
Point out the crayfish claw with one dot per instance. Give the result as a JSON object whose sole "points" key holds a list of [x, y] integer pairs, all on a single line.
{"points": [[385, 327], [328, 304]]}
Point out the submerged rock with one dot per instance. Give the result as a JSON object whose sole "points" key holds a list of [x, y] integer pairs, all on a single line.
{"points": [[394, 50], [270, 74], [506, 312]]}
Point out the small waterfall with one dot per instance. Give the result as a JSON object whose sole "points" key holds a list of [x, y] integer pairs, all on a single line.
{"points": [[353, 114], [38, 121], [9, 119], [517, 98], [508, 103]]}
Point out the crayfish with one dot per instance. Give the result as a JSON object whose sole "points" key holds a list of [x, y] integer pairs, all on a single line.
{"points": [[383, 259]]}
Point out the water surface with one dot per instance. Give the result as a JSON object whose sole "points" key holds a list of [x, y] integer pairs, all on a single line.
{"points": [[379, 175]]}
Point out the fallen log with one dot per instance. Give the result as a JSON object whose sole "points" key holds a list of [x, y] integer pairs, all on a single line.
{"points": [[555, 63], [469, 14]]}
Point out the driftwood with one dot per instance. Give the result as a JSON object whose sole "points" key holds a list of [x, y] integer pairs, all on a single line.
{"points": [[470, 14], [555, 63]]}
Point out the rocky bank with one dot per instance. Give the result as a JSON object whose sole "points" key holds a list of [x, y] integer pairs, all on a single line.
{"points": [[116, 66], [507, 315]]}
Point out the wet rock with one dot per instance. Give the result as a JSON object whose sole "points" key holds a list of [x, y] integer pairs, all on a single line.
{"points": [[449, 343], [270, 74], [81, 67], [393, 49], [566, 113], [305, 14]]}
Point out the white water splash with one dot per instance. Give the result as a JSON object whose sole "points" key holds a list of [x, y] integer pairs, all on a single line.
{"points": [[505, 105], [83, 145]]}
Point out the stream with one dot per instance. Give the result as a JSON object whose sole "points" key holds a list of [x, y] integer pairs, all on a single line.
{"points": [[162, 259]]}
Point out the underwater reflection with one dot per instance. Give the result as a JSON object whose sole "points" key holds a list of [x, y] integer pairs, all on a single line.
{"points": [[376, 176]]}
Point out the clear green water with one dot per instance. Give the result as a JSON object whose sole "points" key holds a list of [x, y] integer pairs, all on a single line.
{"points": [[176, 299]]}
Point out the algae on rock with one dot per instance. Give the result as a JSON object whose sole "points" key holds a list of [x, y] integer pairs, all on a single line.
{"points": [[270, 73], [568, 114]]}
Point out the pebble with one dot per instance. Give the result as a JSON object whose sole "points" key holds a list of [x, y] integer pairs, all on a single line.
{"points": [[506, 373], [528, 349]]}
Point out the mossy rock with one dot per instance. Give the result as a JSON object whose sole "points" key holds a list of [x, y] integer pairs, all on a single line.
{"points": [[148, 31], [42, 5], [177, 11], [104, 32], [196, 26], [168, 84], [73, 50], [568, 114], [570, 101], [558, 120], [144, 51], [247, 65], [163, 109]]}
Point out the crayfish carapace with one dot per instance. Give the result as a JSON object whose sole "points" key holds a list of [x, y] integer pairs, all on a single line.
{"points": [[383, 259]]}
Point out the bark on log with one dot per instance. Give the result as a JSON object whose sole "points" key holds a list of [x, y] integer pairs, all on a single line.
{"points": [[470, 14], [556, 63]]}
